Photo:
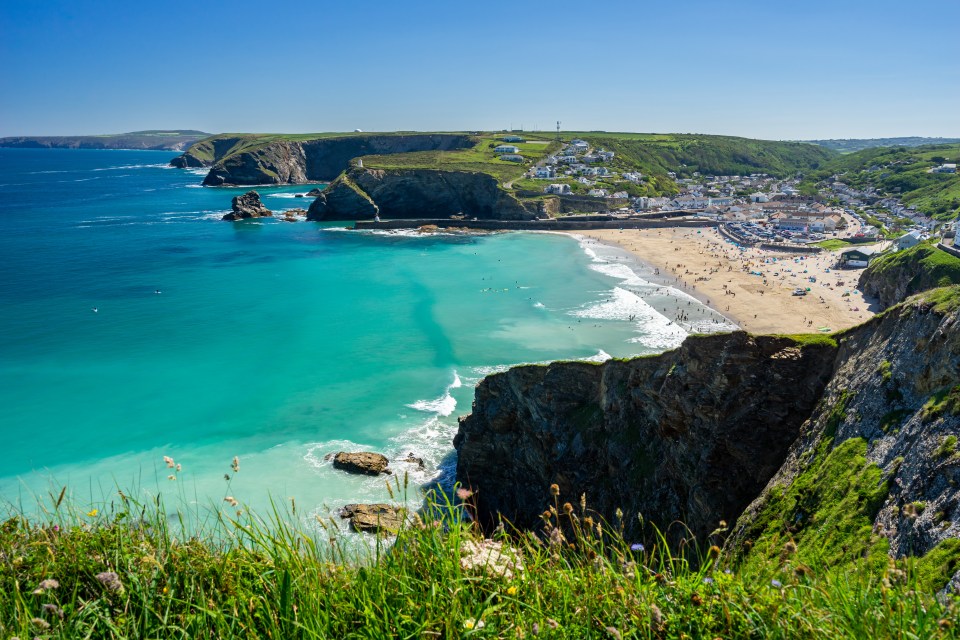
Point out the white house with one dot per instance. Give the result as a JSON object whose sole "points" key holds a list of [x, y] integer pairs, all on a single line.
{"points": [[759, 197], [568, 159], [506, 148], [620, 194], [544, 172], [633, 177], [597, 193], [945, 168], [606, 156], [907, 240], [580, 146], [559, 189]]}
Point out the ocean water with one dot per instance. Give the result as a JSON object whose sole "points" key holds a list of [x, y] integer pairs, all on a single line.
{"points": [[276, 342]]}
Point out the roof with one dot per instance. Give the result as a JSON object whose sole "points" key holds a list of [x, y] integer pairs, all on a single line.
{"points": [[866, 251]]}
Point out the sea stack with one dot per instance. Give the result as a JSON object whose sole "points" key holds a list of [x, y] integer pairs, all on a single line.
{"points": [[248, 206]]}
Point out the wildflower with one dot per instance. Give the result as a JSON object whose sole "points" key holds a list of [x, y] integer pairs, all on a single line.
{"points": [[714, 551], [40, 624], [618, 513], [511, 591], [179, 467], [588, 522], [553, 624], [613, 633], [464, 493], [166, 590], [546, 515], [708, 581], [776, 583], [470, 623], [637, 547], [111, 581], [728, 572], [535, 629], [93, 513], [53, 610], [171, 477], [49, 583], [235, 465], [169, 461], [56, 528], [231, 501], [567, 508], [554, 489]]}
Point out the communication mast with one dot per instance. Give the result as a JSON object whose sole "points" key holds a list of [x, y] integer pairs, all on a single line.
{"points": [[558, 131]]}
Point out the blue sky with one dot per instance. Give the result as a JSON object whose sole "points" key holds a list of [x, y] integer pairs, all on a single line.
{"points": [[778, 70]]}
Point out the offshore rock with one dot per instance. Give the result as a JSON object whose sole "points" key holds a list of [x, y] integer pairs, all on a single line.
{"points": [[692, 435], [372, 464], [247, 206], [374, 518], [313, 193]]}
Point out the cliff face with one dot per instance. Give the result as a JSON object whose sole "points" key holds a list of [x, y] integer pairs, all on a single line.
{"points": [[415, 193], [247, 161], [891, 278], [848, 450], [693, 434]]}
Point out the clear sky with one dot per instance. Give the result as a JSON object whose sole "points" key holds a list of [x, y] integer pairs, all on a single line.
{"points": [[764, 69]]}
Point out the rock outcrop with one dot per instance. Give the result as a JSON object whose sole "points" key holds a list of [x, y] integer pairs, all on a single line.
{"points": [[247, 206], [850, 449], [891, 278], [364, 462], [374, 518], [361, 193], [692, 435]]}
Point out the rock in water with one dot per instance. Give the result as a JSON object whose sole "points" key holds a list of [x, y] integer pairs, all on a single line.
{"points": [[248, 206], [372, 464], [313, 193], [374, 518]]}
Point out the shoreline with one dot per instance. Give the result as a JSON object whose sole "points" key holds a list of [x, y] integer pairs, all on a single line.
{"points": [[751, 287]]}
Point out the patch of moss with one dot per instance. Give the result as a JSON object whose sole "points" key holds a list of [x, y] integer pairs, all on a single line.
{"points": [[946, 401], [885, 371], [838, 413], [948, 447], [828, 511], [935, 569], [893, 419]]}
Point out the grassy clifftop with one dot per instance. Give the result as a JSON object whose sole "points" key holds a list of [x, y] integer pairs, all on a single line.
{"points": [[153, 139]]}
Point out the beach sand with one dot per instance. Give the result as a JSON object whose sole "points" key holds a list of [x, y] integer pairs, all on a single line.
{"points": [[705, 265]]}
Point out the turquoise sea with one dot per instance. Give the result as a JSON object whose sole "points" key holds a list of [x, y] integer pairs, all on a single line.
{"points": [[272, 341]]}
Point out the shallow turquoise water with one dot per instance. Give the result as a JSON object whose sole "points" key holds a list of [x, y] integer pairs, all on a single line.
{"points": [[276, 342]]}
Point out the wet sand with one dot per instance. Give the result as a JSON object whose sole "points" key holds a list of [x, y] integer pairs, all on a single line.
{"points": [[705, 265]]}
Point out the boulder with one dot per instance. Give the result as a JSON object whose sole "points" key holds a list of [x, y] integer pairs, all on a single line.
{"points": [[292, 215], [412, 459], [313, 193], [374, 518], [247, 206], [365, 462]]}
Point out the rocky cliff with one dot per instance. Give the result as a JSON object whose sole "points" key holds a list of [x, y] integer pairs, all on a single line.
{"points": [[893, 277], [693, 434], [253, 160], [847, 450], [159, 140], [415, 193]]}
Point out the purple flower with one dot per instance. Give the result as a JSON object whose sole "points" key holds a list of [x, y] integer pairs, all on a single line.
{"points": [[637, 547], [708, 581], [727, 571], [776, 583]]}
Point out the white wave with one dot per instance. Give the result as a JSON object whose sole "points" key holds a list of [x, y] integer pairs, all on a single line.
{"points": [[284, 195], [198, 171], [539, 305], [442, 406], [600, 356], [320, 454], [135, 166], [658, 330]]}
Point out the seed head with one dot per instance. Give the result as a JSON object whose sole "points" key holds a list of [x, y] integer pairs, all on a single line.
{"points": [[554, 489], [235, 465], [111, 581], [169, 461], [567, 508]]}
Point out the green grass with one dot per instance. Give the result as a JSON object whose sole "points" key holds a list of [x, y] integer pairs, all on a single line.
{"points": [[923, 267], [280, 578], [833, 244], [811, 339]]}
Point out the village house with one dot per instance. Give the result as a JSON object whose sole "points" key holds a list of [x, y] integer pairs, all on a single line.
{"points": [[607, 156], [907, 240], [633, 177], [513, 139], [512, 157], [544, 172], [945, 168], [559, 189], [506, 148], [859, 257], [597, 193]]}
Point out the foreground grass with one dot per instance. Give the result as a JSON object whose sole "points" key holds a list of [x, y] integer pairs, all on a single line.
{"points": [[125, 573]]}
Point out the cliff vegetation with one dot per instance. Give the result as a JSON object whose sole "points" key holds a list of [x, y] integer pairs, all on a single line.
{"points": [[894, 276]]}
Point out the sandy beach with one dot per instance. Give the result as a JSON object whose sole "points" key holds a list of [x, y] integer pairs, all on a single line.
{"points": [[751, 287]]}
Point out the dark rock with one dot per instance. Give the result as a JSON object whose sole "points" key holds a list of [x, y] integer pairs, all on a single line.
{"points": [[374, 518], [412, 459], [247, 206], [343, 201], [292, 215], [364, 462], [313, 193], [298, 195]]}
